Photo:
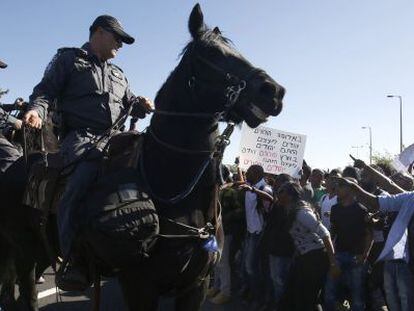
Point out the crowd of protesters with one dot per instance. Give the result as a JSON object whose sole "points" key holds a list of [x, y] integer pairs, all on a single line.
{"points": [[337, 240]]}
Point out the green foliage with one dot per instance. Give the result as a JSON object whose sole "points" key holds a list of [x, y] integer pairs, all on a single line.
{"points": [[384, 160]]}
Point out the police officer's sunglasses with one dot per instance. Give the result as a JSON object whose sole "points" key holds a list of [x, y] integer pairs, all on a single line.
{"points": [[117, 37]]}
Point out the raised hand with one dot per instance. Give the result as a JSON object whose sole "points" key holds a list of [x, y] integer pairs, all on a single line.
{"points": [[358, 163]]}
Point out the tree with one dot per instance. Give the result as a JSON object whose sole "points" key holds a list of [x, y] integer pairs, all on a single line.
{"points": [[384, 160]]}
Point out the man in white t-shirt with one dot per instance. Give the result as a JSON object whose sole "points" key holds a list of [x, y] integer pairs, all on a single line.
{"points": [[257, 197], [328, 200], [326, 203]]}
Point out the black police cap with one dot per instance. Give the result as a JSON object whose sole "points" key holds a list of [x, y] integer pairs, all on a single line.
{"points": [[111, 24], [2, 65]]}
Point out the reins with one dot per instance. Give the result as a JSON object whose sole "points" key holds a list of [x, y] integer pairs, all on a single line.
{"points": [[176, 148], [217, 153]]}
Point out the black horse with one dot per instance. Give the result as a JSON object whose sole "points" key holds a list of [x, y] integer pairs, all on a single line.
{"points": [[212, 82], [211, 78]]}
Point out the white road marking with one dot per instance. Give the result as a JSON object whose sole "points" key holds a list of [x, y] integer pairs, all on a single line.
{"points": [[47, 293]]}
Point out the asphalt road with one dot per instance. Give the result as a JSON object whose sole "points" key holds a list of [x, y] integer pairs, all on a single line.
{"points": [[111, 299]]}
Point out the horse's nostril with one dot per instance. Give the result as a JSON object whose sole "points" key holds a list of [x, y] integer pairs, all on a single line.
{"points": [[280, 93], [268, 89], [277, 110]]}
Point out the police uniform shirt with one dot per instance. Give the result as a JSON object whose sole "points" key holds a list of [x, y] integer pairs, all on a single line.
{"points": [[90, 94]]}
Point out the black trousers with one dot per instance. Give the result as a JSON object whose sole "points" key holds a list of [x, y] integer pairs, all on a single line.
{"points": [[305, 281]]}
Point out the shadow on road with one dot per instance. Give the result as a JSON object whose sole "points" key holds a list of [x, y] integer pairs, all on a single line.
{"points": [[111, 299]]}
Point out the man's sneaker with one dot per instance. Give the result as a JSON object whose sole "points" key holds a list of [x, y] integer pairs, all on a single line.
{"points": [[211, 292], [71, 279], [220, 299]]}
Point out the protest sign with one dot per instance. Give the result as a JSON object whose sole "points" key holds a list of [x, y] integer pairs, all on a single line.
{"points": [[276, 151]]}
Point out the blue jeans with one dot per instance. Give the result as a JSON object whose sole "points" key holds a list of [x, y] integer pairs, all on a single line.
{"points": [[352, 278], [398, 285], [251, 263], [279, 271]]}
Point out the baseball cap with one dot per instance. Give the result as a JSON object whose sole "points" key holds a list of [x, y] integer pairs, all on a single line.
{"points": [[111, 24]]}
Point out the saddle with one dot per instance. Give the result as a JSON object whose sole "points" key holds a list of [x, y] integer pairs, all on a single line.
{"points": [[121, 222]]}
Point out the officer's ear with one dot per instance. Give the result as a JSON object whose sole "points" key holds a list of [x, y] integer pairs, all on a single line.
{"points": [[98, 31]]}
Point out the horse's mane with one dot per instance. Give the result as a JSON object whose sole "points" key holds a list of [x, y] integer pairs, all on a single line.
{"points": [[211, 38]]}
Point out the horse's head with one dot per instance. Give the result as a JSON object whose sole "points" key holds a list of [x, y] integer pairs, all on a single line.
{"points": [[223, 80]]}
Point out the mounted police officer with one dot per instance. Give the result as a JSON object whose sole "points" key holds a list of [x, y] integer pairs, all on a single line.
{"points": [[91, 95], [9, 153]]}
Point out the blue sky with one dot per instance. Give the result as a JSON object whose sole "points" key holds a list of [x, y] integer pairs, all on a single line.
{"points": [[338, 59]]}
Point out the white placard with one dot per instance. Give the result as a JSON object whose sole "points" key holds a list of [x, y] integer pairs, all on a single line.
{"points": [[276, 151]]}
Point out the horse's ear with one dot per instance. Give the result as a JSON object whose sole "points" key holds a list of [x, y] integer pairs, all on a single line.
{"points": [[217, 31], [196, 22]]}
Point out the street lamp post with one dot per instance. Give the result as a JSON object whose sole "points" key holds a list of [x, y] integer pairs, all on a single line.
{"points": [[401, 131], [370, 143]]}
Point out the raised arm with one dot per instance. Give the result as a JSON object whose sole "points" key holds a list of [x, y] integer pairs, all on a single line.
{"points": [[365, 198], [383, 181], [260, 193]]}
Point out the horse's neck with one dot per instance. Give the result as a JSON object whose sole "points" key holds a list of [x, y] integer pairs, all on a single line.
{"points": [[170, 171], [192, 135], [186, 132]]}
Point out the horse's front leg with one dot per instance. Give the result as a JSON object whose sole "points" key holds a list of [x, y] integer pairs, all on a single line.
{"points": [[140, 293], [26, 273], [7, 287]]}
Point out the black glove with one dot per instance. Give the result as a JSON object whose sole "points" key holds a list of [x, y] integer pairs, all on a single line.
{"points": [[140, 107]]}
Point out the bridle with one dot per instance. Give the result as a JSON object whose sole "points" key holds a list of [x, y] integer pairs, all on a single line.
{"points": [[234, 85], [233, 89]]}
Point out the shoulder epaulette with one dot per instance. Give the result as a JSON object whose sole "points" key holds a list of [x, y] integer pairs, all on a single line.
{"points": [[78, 51]]}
